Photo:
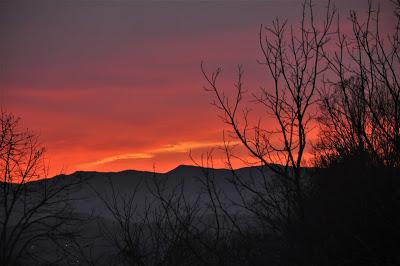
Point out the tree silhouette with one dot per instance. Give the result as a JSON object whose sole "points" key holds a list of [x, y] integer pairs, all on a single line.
{"points": [[37, 221], [293, 58], [361, 102], [355, 88], [356, 188]]}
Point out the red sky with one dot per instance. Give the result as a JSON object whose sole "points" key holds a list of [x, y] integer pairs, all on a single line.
{"points": [[115, 85]]}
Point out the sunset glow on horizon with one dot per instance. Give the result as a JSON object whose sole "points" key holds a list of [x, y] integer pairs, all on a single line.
{"points": [[116, 85]]}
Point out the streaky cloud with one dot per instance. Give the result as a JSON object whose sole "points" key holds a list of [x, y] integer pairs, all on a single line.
{"points": [[180, 147]]}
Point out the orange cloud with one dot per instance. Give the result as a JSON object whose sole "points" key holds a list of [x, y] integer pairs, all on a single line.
{"points": [[180, 147]]}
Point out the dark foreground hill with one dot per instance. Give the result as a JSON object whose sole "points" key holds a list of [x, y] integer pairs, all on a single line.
{"points": [[200, 216], [153, 210]]}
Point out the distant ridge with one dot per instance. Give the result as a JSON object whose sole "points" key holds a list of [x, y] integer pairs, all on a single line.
{"points": [[180, 169]]}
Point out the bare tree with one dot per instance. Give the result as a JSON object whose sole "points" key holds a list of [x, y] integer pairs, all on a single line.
{"points": [[165, 230], [361, 100], [37, 222], [293, 59]]}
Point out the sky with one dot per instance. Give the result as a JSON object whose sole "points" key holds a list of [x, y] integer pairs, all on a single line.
{"points": [[116, 85]]}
